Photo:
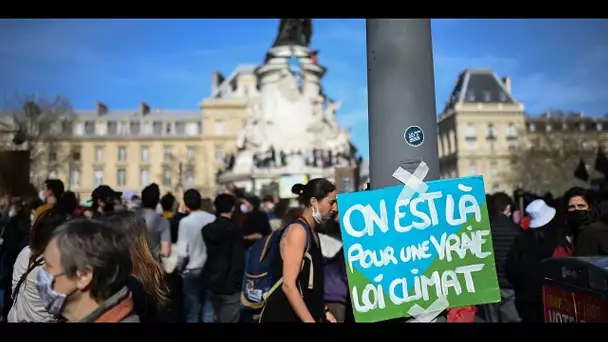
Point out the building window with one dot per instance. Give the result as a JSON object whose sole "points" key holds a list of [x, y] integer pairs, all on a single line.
{"points": [[532, 127], [487, 96], [192, 129], [470, 132], [75, 178], [123, 128], [122, 153], [135, 127], [169, 128], [98, 177], [157, 127], [167, 176], [67, 128], [511, 131], [218, 127], [167, 155], [490, 131], [146, 128], [471, 145], [493, 169], [144, 176], [219, 154], [100, 128], [79, 129], [495, 187], [190, 176], [89, 127], [472, 169], [598, 126], [548, 128], [99, 154], [52, 156], [145, 153], [180, 128], [121, 177], [76, 155], [190, 152], [53, 174], [112, 128], [470, 96]]}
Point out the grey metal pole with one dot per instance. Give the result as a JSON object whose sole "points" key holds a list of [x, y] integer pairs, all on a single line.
{"points": [[401, 97]]}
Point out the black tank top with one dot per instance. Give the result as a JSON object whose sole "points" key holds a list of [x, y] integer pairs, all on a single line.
{"points": [[278, 308]]}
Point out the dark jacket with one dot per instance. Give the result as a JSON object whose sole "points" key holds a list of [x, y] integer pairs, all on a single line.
{"points": [[225, 265], [504, 232], [522, 268], [592, 241], [119, 308], [336, 285]]}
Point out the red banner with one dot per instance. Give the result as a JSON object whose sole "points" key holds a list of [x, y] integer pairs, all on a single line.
{"points": [[566, 306]]}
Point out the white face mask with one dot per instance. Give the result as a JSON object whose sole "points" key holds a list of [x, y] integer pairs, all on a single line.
{"points": [[41, 196], [32, 217], [12, 213], [244, 208], [316, 214]]}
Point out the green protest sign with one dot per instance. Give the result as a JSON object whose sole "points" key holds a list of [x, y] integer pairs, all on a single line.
{"points": [[406, 252]]}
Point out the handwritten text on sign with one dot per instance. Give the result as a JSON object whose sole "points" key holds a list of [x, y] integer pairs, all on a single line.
{"points": [[402, 252]]}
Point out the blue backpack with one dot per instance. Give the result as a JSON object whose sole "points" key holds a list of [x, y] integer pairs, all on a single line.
{"points": [[260, 265]]}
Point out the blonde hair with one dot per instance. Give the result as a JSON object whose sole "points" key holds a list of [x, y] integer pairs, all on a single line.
{"points": [[146, 269]]}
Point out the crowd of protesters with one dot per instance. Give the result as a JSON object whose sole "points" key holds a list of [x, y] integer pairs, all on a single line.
{"points": [[149, 258]]}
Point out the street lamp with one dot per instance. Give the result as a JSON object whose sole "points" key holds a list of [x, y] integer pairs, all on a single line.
{"points": [[19, 137]]}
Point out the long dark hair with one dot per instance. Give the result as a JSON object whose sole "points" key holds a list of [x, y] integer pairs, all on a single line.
{"points": [[317, 188], [146, 270]]}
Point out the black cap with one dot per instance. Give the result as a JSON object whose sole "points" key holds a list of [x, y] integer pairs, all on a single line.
{"points": [[104, 192]]}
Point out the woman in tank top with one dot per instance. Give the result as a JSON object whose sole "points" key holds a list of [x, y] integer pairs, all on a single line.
{"points": [[300, 298]]}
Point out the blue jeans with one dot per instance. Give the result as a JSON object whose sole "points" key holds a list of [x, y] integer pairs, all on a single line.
{"points": [[197, 305]]}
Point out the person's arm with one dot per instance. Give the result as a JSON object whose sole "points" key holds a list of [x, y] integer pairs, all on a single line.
{"points": [[292, 251], [165, 238], [182, 247]]}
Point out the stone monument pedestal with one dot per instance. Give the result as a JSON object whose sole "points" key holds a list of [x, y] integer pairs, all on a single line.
{"points": [[292, 116]]}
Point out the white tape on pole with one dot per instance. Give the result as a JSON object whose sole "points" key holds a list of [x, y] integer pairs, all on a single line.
{"points": [[414, 183]]}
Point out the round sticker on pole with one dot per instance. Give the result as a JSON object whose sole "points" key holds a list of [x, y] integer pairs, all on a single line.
{"points": [[414, 136]]}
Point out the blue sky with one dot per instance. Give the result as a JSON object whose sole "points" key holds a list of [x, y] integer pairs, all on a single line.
{"points": [[560, 64]]}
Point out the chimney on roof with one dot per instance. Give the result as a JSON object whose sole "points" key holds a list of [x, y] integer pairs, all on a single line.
{"points": [[216, 80], [507, 82], [144, 108], [101, 108]]}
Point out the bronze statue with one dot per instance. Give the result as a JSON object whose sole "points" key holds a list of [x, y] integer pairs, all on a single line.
{"points": [[294, 32]]}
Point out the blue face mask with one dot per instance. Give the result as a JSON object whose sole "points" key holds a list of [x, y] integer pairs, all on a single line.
{"points": [[52, 301]]}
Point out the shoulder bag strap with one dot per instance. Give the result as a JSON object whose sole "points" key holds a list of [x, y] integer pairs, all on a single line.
{"points": [[24, 277]]}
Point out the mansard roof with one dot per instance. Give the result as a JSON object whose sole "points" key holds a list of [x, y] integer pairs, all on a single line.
{"points": [[228, 84], [479, 86]]}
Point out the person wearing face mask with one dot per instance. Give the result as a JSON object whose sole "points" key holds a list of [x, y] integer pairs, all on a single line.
{"points": [[84, 277], [300, 298], [256, 224], [104, 198], [588, 233], [26, 302]]}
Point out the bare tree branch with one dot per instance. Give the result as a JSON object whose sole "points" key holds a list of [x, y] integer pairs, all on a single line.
{"points": [[546, 162], [41, 120]]}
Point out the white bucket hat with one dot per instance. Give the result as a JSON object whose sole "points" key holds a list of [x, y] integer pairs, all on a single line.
{"points": [[540, 213]]}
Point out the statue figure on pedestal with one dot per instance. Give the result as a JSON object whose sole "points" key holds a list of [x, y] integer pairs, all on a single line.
{"points": [[294, 32]]}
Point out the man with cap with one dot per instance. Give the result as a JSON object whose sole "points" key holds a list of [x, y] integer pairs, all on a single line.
{"points": [[104, 199]]}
